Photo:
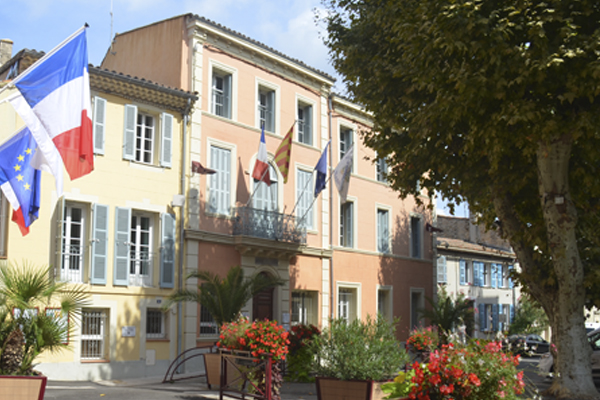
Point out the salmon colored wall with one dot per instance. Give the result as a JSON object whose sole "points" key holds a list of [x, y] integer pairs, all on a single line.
{"points": [[217, 258], [305, 273]]}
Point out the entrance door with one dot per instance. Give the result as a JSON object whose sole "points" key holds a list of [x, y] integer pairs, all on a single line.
{"points": [[262, 304]]}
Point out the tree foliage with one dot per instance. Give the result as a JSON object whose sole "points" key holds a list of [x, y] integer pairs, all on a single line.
{"points": [[447, 313], [529, 317], [494, 103]]}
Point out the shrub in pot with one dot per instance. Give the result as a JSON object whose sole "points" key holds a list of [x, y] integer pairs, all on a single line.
{"points": [[353, 358], [299, 357]]}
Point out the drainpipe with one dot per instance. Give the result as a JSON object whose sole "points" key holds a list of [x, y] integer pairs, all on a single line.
{"points": [[186, 115], [331, 283]]}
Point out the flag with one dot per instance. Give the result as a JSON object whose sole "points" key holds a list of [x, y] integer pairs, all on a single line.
{"points": [[200, 169], [54, 102], [321, 169], [261, 167], [283, 154], [341, 174], [19, 181]]}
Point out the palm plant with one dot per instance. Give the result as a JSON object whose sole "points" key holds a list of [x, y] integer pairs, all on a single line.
{"points": [[224, 298], [447, 313], [26, 329]]}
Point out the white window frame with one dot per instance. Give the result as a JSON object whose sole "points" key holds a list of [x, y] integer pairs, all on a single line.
{"points": [[222, 69], [233, 174], [103, 336], [206, 323], [138, 151], [307, 313], [261, 84], [388, 209], [389, 301], [346, 125], [356, 288], [354, 201], [67, 274], [310, 191], [420, 235], [304, 102], [381, 176], [162, 334], [136, 278]]}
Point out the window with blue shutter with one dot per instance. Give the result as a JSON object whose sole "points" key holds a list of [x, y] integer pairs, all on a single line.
{"points": [[477, 273], [219, 190], [463, 272], [167, 251], [482, 318], [99, 244], [512, 313], [510, 282], [129, 129], [493, 272], [122, 246], [99, 124], [495, 317], [166, 148], [499, 275]]}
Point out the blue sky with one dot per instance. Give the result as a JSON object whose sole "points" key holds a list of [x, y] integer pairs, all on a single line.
{"points": [[286, 25]]}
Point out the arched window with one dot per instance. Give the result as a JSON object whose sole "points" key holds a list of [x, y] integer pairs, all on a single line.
{"points": [[265, 197]]}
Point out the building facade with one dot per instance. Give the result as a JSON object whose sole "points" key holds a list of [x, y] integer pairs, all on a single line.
{"points": [[348, 259], [477, 263], [114, 231]]}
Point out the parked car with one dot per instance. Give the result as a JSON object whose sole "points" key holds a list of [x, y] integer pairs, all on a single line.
{"points": [[528, 344], [546, 363]]}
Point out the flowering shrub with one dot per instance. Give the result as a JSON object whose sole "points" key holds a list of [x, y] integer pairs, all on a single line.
{"points": [[423, 339], [301, 335], [477, 371], [259, 338], [300, 358]]}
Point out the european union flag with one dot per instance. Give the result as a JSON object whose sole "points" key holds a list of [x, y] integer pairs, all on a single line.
{"points": [[321, 169], [19, 181]]}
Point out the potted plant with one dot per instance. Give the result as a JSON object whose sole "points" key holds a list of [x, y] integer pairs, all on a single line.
{"points": [[31, 305], [353, 359]]}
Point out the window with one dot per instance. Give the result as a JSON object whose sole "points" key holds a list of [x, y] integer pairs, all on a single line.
{"points": [[346, 141], [483, 317], [305, 124], [142, 141], [463, 272], [384, 302], [346, 224], [441, 270], [208, 326], [415, 237], [155, 324], [3, 225], [304, 307], [94, 334], [219, 194], [73, 231], [140, 259], [500, 276], [221, 94], [478, 273], [304, 208], [485, 275], [383, 231], [381, 169], [266, 108], [510, 281], [266, 196], [347, 303]]}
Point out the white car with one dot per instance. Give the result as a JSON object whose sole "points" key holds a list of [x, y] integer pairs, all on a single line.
{"points": [[546, 363]]}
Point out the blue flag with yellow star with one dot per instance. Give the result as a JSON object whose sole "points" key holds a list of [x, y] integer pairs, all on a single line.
{"points": [[19, 181]]}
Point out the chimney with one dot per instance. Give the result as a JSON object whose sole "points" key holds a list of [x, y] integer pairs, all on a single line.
{"points": [[6, 46]]}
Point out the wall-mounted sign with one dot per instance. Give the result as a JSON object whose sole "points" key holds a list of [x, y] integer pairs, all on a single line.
{"points": [[128, 331]]}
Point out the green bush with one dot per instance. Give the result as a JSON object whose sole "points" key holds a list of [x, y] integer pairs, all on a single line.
{"points": [[358, 350]]}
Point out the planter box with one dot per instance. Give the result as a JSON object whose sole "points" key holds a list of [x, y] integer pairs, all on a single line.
{"points": [[335, 389], [212, 366], [22, 387]]}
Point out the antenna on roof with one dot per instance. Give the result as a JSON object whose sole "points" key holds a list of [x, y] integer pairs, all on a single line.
{"points": [[112, 40]]}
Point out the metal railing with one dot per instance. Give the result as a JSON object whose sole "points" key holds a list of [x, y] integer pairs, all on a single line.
{"points": [[267, 224]]}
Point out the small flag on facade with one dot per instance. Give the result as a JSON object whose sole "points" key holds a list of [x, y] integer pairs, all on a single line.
{"points": [[261, 167], [283, 154], [200, 169], [19, 181], [341, 174], [321, 169]]}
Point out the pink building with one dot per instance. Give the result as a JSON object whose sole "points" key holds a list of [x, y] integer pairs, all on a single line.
{"points": [[370, 254]]}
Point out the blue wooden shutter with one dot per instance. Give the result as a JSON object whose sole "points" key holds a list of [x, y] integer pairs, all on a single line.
{"points": [[122, 246], [99, 244], [493, 273], [99, 124], [495, 317], [166, 149], [499, 275], [167, 251], [129, 131], [510, 281], [482, 320], [512, 313], [463, 272]]}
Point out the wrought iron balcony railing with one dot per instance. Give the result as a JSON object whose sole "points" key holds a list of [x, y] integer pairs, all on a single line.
{"points": [[266, 224]]}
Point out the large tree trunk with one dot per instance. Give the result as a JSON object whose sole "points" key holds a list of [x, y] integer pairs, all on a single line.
{"points": [[567, 319]]}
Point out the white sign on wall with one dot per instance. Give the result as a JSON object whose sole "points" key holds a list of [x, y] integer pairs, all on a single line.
{"points": [[128, 331]]}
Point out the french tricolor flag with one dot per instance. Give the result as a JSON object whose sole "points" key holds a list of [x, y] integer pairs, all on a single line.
{"points": [[54, 102], [261, 167]]}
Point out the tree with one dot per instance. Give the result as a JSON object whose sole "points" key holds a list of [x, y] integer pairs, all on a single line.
{"points": [[224, 298], [495, 103], [529, 317], [26, 329], [446, 313]]}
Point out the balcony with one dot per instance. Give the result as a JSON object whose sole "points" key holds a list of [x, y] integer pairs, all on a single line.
{"points": [[270, 225]]}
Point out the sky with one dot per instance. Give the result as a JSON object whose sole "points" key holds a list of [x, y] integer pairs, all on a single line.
{"points": [[288, 26]]}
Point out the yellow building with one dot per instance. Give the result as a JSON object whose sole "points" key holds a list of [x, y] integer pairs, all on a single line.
{"points": [[114, 230]]}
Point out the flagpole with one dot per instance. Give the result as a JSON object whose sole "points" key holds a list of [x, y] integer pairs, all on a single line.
{"points": [[331, 283], [314, 199], [261, 180]]}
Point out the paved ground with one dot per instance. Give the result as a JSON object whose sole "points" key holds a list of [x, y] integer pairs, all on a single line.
{"points": [[194, 389]]}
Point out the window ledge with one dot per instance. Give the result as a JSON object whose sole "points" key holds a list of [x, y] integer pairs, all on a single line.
{"points": [[158, 340], [95, 361]]}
